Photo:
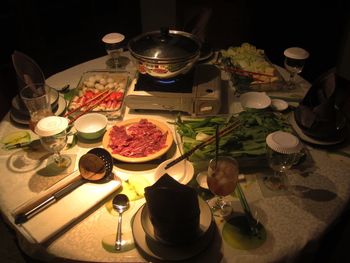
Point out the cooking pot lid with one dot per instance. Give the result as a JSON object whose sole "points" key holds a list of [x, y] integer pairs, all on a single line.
{"points": [[165, 45]]}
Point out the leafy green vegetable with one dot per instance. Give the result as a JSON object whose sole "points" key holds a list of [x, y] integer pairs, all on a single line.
{"points": [[246, 140]]}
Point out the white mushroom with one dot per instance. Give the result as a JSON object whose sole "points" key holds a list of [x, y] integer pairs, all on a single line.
{"points": [[110, 86], [99, 86], [98, 77], [110, 80], [92, 79], [90, 84], [103, 81]]}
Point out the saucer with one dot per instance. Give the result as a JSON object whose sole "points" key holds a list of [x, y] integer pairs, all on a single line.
{"points": [[25, 120], [204, 220], [160, 251]]}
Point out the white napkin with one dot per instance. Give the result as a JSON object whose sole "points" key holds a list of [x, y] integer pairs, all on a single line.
{"points": [[66, 211]]}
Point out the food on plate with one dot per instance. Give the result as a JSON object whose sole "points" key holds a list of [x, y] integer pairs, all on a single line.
{"points": [[248, 140], [247, 57], [174, 210], [96, 84], [139, 139], [250, 68]]}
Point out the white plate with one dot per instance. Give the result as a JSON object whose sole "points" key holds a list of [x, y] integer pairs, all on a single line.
{"points": [[181, 172], [164, 252], [306, 138], [62, 104]]}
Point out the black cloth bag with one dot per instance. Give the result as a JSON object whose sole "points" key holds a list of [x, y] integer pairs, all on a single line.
{"points": [[322, 112]]}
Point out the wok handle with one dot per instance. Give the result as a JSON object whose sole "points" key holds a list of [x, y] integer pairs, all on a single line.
{"points": [[46, 198]]}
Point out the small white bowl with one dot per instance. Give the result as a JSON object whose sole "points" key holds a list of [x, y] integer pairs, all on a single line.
{"points": [[255, 100], [91, 125], [279, 105]]}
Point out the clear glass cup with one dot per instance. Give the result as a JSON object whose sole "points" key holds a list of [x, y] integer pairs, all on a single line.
{"points": [[294, 62], [36, 97], [114, 47], [280, 163], [52, 131], [222, 180], [282, 152], [56, 143]]}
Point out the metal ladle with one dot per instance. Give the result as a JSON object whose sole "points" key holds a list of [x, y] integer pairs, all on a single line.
{"points": [[94, 166]]}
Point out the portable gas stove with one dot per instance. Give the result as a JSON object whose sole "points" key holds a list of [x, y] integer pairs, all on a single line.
{"points": [[197, 92]]}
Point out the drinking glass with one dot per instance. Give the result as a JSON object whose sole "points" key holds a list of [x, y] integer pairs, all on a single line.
{"points": [[113, 45], [36, 97], [53, 136], [294, 62], [222, 180], [283, 151]]}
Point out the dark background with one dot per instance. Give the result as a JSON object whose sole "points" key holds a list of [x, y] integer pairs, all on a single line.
{"points": [[59, 34]]}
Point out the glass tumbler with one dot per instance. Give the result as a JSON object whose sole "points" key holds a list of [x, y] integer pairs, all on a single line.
{"points": [[113, 45], [36, 97], [222, 180], [294, 62]]}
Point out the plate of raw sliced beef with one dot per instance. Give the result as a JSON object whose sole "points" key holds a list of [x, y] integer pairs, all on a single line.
{"points": [[138, 140]]}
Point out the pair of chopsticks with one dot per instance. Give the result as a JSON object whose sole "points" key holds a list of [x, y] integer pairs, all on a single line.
{"points": [[209, 140], [91, 103], [245, 73]]}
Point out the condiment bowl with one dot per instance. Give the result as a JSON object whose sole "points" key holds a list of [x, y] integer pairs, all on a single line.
{"points": [[279, 105], [91, 126], [255, 100]]}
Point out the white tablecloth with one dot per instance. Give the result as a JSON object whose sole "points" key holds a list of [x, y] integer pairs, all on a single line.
{"points": [[292, 222]]}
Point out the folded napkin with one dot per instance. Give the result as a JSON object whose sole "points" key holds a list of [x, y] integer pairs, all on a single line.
{"points": [[174, 210], [66, 211], [27, 70]]}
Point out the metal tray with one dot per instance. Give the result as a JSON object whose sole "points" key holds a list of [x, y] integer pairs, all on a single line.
{"points": [[86, 83]]}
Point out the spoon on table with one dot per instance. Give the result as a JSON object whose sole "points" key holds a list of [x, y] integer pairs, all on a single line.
{"points": [[120, 204]]}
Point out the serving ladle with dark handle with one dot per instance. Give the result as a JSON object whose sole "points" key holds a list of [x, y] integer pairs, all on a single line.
{"points": [[88, 173]]}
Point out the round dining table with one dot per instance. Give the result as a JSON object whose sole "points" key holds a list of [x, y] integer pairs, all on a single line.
{"points": [[82, 226]]}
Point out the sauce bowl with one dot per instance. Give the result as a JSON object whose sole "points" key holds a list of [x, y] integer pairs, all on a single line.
{"points": [[91, 126]]}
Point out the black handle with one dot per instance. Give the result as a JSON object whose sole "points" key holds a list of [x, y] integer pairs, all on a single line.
{"points": [[23, 217]]}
